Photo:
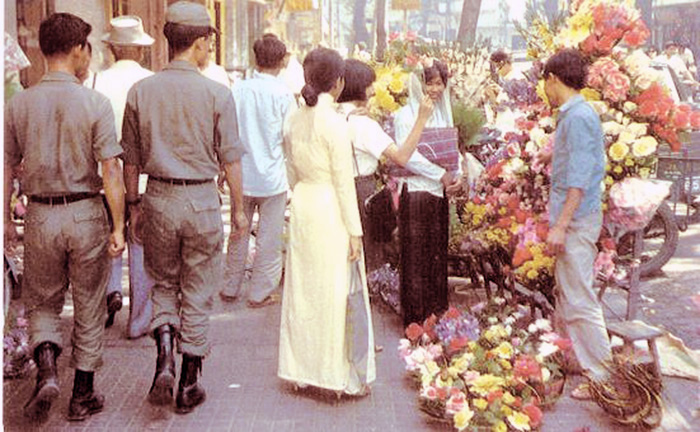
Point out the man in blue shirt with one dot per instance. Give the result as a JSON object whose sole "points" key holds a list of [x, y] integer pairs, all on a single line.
{"points": [[262, 102], [575, 215]]}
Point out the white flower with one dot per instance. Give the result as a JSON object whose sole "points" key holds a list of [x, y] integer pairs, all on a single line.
{"points": [[626, 137], [546, 374], [509, 329], [532, 328], [600, 107], [637, 129], [628, 107], [544, 324], [492, 320], [509, 320], [612, 128], [499, 300], [546, 349]]}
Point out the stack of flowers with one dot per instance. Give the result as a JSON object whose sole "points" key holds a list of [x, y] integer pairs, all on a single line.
{"points": [[488, 367], [390, 91], [638, 116]]}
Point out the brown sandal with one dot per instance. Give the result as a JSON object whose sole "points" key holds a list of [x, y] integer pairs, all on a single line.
{"points": [[267, 301]]}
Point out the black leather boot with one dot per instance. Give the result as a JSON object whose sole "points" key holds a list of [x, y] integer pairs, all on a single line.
{"points": [[85, 401], [189, 393], [46, 390], [114, 305], [161, 392]]}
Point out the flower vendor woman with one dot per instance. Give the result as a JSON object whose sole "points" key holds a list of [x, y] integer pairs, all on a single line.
{"points": [[370, 143], [423, 210]]}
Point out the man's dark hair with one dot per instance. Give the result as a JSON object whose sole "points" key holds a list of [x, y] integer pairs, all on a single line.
{"points": [[61, 32], [569, 66], [500, 57], [269, 51], [181, 37], [358, 76], [437, 69]]}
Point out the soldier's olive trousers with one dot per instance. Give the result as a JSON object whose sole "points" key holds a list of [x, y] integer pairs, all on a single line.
{"points": [[183, 242], [66, 245]]}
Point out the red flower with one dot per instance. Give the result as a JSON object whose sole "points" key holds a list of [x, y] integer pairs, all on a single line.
{"points": [[608, 243], [452, 313], [518, 402], [393, 36], [413, 332], [442, 393], [542, 230], [457, 344], [429, 326], [513, 203], [494, 395], [681, 120], [526, 367], [563, 343], [695, 120], [503, 222], [638, 34], [521, 255], [534, 413], [521, 216]]}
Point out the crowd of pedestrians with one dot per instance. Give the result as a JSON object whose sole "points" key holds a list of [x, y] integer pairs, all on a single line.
{"points": [[175, 132]]}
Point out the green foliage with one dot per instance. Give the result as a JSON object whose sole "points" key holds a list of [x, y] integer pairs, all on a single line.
{"points": [[468, 120]]}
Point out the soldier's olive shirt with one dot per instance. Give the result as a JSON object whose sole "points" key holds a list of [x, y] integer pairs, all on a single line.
{"points": [[180, 124], [60, 130]]}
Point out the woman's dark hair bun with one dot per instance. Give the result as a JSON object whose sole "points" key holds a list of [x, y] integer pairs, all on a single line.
{"points": [[310, 95]]}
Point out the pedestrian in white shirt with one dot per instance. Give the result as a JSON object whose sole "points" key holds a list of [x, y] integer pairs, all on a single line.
{"points": [[262, 103], [127, 41]]}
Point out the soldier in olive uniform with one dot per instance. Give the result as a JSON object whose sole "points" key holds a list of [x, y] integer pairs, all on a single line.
{"points": [[179, 128], [60, 131]]}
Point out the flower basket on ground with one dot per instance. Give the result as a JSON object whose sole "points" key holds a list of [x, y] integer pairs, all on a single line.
{"points": [[485, 368]]}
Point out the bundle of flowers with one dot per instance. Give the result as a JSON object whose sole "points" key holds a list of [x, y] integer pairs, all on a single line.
{"points": [[487, 367], [17, 356], [509, 207], [390, 91]]}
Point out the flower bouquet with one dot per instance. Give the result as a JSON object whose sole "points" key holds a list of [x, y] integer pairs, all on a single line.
{"points": [[486, 367], [633, 203]]}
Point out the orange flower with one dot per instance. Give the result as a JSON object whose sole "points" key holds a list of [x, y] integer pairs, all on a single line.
{"points": [[413, 332], [521, 255]]}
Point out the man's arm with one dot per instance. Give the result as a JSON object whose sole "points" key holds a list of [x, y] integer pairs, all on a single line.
{"points": [[113, 184], [239, 221], [557, 234]]}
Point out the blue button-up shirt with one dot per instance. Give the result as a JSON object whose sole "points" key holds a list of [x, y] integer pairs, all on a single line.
{"points": [[579, 158], [262, 103]]}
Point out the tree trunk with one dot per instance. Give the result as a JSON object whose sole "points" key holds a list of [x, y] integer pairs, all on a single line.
{"points": [[467, 24], [359, 28], [380, 23]]}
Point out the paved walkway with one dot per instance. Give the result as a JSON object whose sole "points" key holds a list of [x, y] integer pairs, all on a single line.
{"points": [[244, 393]]}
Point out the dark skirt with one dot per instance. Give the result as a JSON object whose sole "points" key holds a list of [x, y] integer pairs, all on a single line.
{"points": [[423, 231], [365, 187]]}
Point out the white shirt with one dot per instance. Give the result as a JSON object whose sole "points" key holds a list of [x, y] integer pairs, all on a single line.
{"points": [[115, 83], [262, 103], [368, 139]]}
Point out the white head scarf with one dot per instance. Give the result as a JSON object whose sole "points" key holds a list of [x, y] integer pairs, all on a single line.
{"points": [[442, 115]]}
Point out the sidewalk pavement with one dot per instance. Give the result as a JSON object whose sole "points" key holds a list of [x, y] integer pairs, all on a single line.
{"points": [[244, 393]]}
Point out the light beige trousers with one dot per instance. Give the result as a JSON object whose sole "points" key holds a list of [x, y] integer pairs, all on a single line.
{"points": [[578, 307]]}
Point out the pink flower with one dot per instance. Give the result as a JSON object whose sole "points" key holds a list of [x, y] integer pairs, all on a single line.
{"points": [[617, 86], [534, 413], [393, 36], [638, 34], [455, 403], [429, 392], [411, 36]]}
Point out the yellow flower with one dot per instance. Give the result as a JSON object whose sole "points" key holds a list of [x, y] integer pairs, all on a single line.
{"points": [[501, 426], [506, 410], [618, 151], [508, 398], [505, 364], [629, 162], [644, 146], [487, 383], [519, 421], [541, 93], [463, 417], [609, 180], [481, 403], [644, 172], [578, 29], [617, 169], [396, 84], [532, 274], [504, 350], [590, 94]]}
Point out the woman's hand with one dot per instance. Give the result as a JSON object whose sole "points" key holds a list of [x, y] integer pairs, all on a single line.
{"points": [[355, 248], [425, 110]]}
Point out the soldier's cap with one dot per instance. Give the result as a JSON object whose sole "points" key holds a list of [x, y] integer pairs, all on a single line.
{"points": [[189, 14], [127, 30]]}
